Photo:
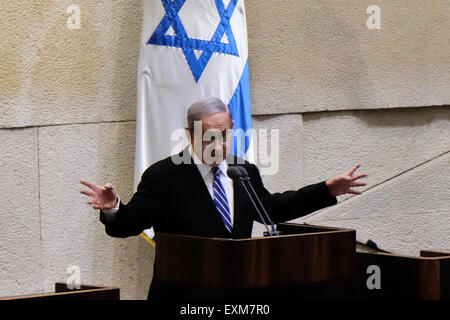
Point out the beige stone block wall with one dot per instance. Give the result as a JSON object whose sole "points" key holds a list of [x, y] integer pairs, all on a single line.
{"points": [[51, 75], [279, 154], [385, 142], [404, 215], [75, 92], [320, 55], [279, 141], [20, 226], [71, 231], [68, 107]]}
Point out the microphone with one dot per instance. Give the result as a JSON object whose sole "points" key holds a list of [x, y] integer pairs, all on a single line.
{"points": [[373, 245], [239, 173], [234, 173]]}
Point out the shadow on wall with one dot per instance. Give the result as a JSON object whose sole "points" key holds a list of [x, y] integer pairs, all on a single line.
{"points": [[402, 117], [389, 118]]}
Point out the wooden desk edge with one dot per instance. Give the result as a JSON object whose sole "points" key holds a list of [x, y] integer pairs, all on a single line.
{"points": [[59, 294]]}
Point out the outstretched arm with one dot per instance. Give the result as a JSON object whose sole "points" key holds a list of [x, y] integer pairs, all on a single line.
{"points": [[289, 205], [130, 219]]}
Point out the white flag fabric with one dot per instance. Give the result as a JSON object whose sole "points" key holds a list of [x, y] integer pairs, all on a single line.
{"points": [[190, 50]]}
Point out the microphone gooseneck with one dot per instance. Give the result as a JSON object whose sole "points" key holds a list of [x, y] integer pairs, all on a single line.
{"points": [[239, 173]]}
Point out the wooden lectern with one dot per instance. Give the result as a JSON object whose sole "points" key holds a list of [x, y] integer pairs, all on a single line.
{"points": [[304, 261]]}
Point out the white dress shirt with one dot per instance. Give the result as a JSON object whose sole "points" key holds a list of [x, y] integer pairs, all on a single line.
{"points": [[208, 177]]}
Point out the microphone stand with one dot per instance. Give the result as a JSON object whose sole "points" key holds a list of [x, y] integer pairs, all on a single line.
{"points": [[269, 232], [274, 231]]}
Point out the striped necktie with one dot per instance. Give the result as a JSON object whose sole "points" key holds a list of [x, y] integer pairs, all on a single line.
{"points": [[220, 199]]}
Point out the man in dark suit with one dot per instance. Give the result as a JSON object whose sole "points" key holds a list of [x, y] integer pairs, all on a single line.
{"points": [[190, 193]]}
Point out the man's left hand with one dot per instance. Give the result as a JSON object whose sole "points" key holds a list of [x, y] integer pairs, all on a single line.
{"points": [[344, 183]]}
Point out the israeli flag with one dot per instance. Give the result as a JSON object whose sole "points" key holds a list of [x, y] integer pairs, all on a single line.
{"points": [[190, 50]]}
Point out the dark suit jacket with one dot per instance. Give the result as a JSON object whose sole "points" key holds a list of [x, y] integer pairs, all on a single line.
{"points": [[173, 198]]}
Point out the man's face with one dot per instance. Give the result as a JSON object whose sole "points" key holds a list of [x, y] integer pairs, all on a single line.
{"points": [[212, 137]]}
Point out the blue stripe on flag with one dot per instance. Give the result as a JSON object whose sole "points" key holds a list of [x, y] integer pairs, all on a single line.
{"points": [[240, 107]]}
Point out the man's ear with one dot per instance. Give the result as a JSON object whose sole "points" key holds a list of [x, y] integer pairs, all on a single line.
{"points": [[232, 124], [189, 134]]}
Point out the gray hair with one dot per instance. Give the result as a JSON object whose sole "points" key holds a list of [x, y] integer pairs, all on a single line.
{"points": [[205, 107]]}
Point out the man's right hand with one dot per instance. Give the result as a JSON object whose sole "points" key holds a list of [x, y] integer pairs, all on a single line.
{"points": [[102, 198]]}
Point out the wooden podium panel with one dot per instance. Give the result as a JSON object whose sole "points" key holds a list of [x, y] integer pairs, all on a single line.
{"points": [[302, 255], [404, 277], [445, 270]]}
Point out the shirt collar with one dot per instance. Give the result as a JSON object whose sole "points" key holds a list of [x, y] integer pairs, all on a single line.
{"points": [[204, 168]]}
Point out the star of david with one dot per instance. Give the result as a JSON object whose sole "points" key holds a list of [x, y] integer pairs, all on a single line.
{"points": [[187, 44]]}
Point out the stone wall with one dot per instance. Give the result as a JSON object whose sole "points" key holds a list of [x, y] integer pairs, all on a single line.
{"points": [[338, 93]]}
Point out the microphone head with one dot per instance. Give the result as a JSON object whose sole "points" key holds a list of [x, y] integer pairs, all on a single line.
{"points": [[244, 172], [372, 244], [234, 173]]}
